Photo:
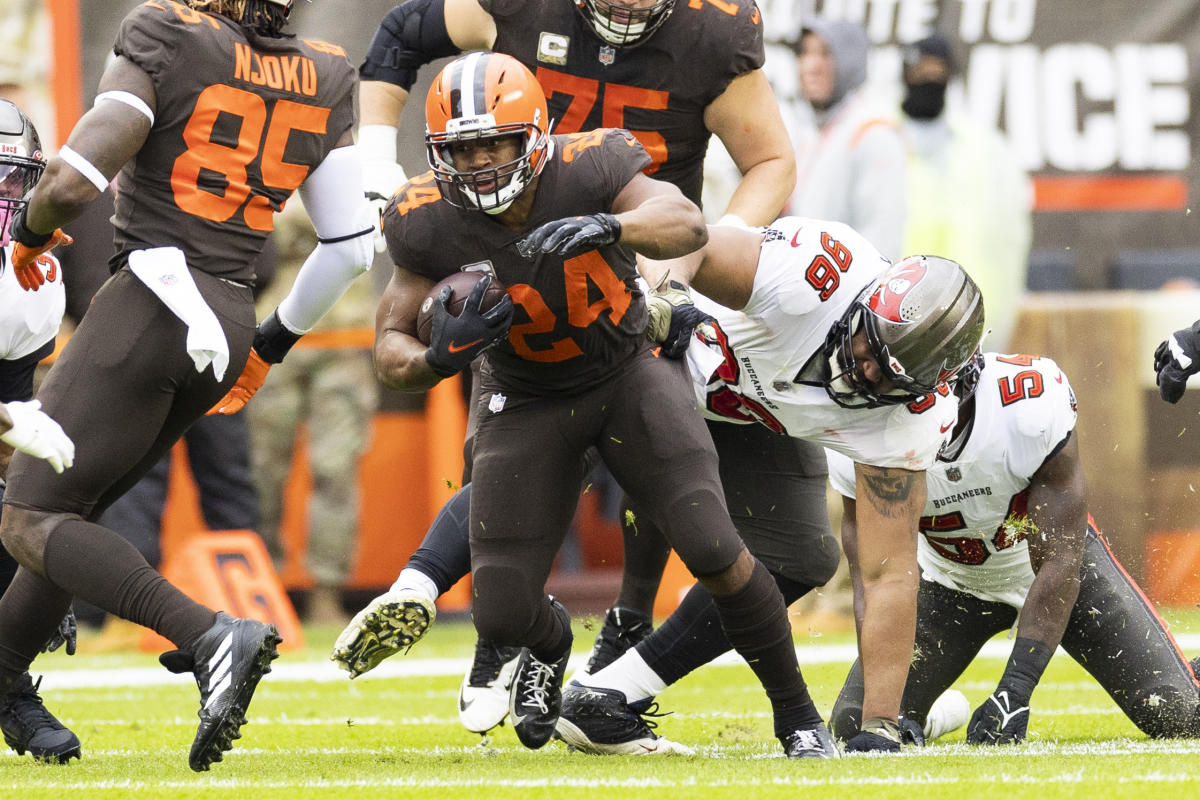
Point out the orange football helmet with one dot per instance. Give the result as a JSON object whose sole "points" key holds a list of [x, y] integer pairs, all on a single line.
{"points": [[481, 96]]}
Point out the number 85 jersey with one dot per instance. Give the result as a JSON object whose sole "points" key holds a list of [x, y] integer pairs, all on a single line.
{"points": [[973, 537], [241, 120], [745, 367]]}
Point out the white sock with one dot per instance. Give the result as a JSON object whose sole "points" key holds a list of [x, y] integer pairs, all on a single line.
{"points": [[417, 581], [629, 674]]}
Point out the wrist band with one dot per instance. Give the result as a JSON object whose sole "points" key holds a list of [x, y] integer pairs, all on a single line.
{"points": [[272, 339], [21, 233]]}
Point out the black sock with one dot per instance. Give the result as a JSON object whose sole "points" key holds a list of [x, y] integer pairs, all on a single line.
{"points": [[445, 552], [755, 622], [692, 636], [30, 611], [90, 561]]}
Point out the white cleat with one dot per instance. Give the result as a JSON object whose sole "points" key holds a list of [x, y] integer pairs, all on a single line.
{"points": [[948, 713], [393, 621], [483, 695]]}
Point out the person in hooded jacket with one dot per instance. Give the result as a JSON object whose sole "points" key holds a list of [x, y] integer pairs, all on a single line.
{"points": [[850, 156]]}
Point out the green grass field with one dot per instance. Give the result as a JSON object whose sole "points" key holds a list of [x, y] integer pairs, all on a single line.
{"points": [[395, 733]]}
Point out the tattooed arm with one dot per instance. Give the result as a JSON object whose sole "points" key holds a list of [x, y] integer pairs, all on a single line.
{"points": [[881, 548]]}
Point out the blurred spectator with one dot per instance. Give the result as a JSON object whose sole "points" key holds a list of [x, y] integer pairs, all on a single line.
{"points": [[969, 197], [850, 157], [327, 382]]}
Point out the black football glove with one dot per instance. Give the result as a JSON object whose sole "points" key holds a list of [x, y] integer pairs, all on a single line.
{"points": [[571, 236], [65, 635], [1175, 360], [1002, 719], [454, 342], [673, 319], [1004, 716], [878, 735]]}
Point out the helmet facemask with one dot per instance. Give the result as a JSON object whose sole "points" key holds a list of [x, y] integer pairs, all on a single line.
{"points": [[621, 26], [461, 188]]}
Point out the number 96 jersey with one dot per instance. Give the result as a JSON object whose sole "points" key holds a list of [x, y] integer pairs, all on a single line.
{"points": [[974, 524], [745, 367], [241, 120]]}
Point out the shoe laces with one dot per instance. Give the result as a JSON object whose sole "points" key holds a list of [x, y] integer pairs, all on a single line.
{"points": [[489, 660], [25, 704], [805, 739], [535, 683]]}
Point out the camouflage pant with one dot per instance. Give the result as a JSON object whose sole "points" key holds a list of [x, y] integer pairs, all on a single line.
{"points": [[335, 393]]}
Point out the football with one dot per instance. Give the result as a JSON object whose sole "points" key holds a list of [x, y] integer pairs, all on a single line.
{"points": [[461, 284]]}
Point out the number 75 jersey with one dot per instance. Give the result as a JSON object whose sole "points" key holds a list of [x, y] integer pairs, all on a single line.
{"points": [[241, 121], [745, 367]]}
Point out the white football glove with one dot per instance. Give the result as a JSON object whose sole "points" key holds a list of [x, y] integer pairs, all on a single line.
{"points": [[33, 432], [381, 175]]}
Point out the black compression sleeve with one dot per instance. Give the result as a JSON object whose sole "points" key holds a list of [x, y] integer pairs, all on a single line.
{"points": [[410, 36]]}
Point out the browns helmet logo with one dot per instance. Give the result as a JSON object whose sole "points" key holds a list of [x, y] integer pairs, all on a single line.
{"points": [[888, 298]]}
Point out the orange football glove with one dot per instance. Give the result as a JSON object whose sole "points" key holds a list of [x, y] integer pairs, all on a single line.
{"points": [[249, 382], [25, 260]]}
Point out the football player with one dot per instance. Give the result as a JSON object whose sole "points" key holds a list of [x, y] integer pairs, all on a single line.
{"points": [[829, 343], [28, 325], [212, 115], [558, 221], [673, 74], [1006, 541]]}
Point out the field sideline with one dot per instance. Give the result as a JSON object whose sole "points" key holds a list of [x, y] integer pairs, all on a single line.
{"points": [[395, 733]]}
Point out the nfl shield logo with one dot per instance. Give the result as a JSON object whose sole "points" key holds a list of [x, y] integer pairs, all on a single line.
{"points": [[954, 474], [607, 55], [496, 404]]}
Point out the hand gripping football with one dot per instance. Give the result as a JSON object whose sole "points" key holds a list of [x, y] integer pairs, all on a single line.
{"points": [[461, 284]]}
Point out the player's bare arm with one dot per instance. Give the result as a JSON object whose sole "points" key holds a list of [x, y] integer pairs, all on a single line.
{"points": [[1057, 523], [723, 269], [399, 355], [884, 563], [746, 118], [657, 220], [106, 137]]}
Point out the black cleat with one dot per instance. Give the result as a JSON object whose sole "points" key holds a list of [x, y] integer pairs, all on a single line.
{"points": [[815, 742], [228, 661], [535, 700], [623, 628], [601, 721], [28, 726]]}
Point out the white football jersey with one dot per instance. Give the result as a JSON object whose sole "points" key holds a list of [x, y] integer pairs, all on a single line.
{"points": [[973, 538], [744, 368], [29, 319]]}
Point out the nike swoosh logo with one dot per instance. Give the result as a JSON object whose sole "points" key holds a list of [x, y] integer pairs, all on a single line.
{"points": [[454, 348], [464, 704], [946, 427], [1058, 377]]}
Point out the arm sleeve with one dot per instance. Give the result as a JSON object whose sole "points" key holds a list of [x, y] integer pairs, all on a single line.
{"points": [[333, 197]]}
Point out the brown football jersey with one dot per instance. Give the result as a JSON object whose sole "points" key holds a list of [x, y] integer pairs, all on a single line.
{"points": [[575, 320], [658, 89], [241, 121]]}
